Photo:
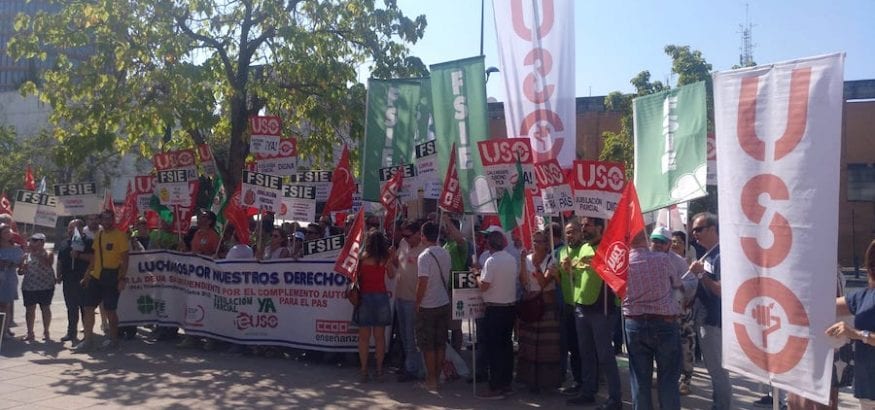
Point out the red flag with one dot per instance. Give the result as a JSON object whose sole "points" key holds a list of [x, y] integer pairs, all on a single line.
{"points": [[342, 186], [389, 197], [5, 205], [451, 194], [29, 181], [348, 260], [128, 214], [108, 204], [611, 259], [238, 215]]}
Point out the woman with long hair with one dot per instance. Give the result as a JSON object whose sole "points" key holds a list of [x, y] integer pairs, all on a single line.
{"points": [[10, 258], [373, 314], [278, 247], [538, 358], [38, 284], [861, 304]]}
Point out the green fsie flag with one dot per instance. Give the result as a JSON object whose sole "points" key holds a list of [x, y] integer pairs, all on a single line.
{"points": [[458, 91], [670, 136]]}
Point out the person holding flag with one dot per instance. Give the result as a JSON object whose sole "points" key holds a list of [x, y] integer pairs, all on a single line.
{"points": [[71, 271]]}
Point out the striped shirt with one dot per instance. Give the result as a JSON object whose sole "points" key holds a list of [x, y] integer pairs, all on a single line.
{"points": [[651, 282]]}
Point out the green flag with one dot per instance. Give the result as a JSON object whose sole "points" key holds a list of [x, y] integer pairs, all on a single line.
{"points": [[670, 136], [393, 108], [512, 202], [163, 211], [460, 116], [219, 201]]}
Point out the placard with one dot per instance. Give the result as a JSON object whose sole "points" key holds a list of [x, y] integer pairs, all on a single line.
{"points": [[467, 299], [77, 199], [262, 191]]}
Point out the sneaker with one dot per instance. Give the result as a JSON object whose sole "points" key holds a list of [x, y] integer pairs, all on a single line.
{"points": [[684, 389], [84, 346], [69, 337], [764, 402], [580, 401], [491, 395], [109, 344]]}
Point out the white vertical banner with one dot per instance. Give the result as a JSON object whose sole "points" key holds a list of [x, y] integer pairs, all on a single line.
{"points": [[536, 50], [778, 137]]}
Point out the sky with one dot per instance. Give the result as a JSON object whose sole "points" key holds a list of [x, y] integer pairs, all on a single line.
{"points": [[615, 40]]}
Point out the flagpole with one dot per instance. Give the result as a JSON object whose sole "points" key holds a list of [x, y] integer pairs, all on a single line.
{"points": [[221, 237], [474, 332]]}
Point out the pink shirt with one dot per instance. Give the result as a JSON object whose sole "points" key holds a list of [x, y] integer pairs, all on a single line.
{"points": [[650, 286]]}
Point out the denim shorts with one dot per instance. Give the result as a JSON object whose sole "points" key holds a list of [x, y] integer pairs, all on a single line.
{"points": [[373, 311]]}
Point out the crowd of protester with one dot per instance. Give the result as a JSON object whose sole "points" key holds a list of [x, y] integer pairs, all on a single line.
{"points": [[550, 324]]}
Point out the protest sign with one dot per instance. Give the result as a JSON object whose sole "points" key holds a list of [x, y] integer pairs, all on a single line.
{"points": [[181, 159], [467, 299], [556, 193], [427, 174], [265, 134], [35, 208], [173, 187], [283, 162], [77, 199], [597, 187], [262, 191], [500, 156]]}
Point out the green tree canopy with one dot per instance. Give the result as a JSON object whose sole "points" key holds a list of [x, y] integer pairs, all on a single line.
{"points": [[148, 73]]}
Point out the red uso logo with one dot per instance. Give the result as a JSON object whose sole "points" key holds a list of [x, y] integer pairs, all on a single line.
{"points": [[144, 184], [265, 125], [288, 147], [549, 174], [599, 175], [542, 121], [617, 258], [779, 226], [205, 153], [505, 151], [185, 158]]}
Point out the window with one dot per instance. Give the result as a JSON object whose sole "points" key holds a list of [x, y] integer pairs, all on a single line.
{"points": [[861, 182]]}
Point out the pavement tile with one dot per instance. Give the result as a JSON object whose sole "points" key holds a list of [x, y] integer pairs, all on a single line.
{"points": [[66, 402], [11, 404], [31, 381], [29, 395]]}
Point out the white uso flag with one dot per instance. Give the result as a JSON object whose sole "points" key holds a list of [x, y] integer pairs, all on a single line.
{"points": [[778, 139]]}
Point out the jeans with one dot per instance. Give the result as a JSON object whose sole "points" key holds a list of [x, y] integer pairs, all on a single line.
{"points": [[647, 340], [73, 299], [406, 310], [711, 343], [499, 346], [595, 332]]}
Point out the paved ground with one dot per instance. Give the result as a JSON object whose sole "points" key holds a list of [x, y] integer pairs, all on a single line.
{"points": [[47, 375]]}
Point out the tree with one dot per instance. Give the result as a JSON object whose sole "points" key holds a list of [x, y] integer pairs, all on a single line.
{"points": [[197, 69]]}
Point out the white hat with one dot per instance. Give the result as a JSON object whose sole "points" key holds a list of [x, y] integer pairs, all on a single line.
{"points": [[38, 236], [661, 233], [491, 229]]}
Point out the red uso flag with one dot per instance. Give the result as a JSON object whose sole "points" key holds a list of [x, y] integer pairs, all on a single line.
{"points": [[451, 195], [389, 197], [611, 259], [348, 260]]}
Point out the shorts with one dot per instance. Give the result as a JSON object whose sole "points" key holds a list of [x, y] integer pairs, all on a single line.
{"points": [[373, 311], [103, 290], [432, 325], [38, 297]]}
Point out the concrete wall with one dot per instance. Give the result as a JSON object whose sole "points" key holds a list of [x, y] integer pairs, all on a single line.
{"points": [[26, 114], [856, 219]]}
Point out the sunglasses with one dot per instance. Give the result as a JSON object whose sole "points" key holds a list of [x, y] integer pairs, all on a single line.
{"points": [[700, 228]]}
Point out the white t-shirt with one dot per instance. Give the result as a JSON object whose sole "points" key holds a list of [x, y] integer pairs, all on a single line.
{"points": [[438, 274], [532, 284], [501, 272], [408, 260]]}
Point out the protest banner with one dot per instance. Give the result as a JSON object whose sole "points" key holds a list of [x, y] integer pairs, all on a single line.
{"points": [[262, 191], [281, 303], [283, 162], [536, 54], [669, 129], [556, 193], [467, 298], [265, 134], [460, 117], [173, 187], [597, 187], [77, 199], [391, 123], [35, 208], [208, 162], [499, 157], [181, 159], [427, 174], [778, 135]]}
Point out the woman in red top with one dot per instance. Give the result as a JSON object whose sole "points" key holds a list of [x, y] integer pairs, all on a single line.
{"points": [[373, 314]]}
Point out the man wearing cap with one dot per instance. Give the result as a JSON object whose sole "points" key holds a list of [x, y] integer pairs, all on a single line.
{"points": [[498, 286], [662, 241], [652, 332], [105, 280]]}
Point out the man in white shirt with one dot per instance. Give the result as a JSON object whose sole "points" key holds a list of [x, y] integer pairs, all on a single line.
{"points": [[432, 303], [498, 286]]}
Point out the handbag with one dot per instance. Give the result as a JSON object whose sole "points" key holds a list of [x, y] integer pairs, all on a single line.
{"points": [[353, 292], [531, 309]]}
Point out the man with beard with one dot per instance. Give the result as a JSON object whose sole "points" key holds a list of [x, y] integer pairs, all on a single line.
{"points": [[594, 313]]}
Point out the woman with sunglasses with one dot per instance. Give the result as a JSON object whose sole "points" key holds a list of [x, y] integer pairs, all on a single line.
{"points": [[10, 257]]}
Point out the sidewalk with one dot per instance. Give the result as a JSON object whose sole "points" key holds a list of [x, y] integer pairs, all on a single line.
{"points": [[42, 375]]}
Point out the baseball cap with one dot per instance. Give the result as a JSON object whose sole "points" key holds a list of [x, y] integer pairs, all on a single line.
{"points": [[491, 229], [662, 233], [38, 237]]}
